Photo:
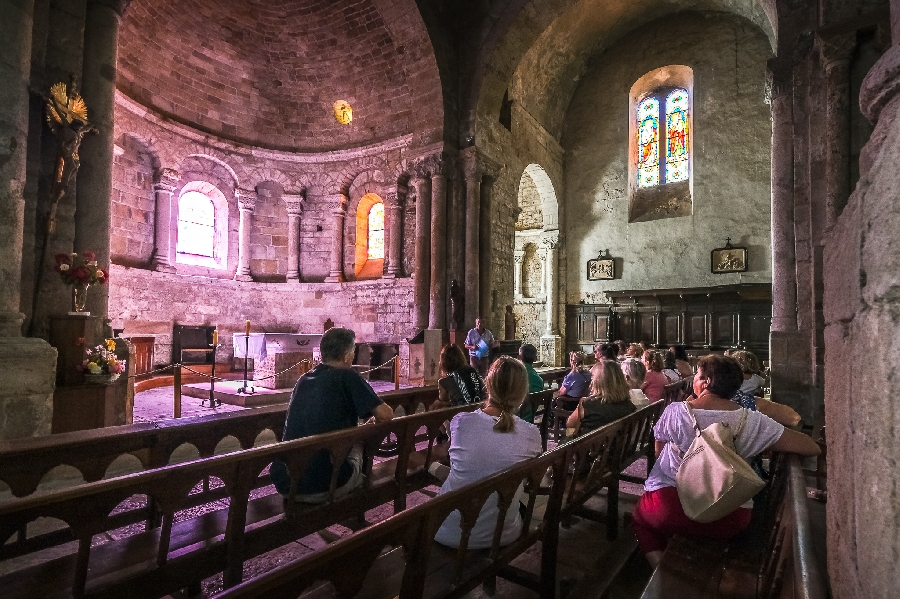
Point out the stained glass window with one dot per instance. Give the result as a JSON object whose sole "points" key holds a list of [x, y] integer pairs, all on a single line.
{"points": [[196, 224], [376, 232], [648, 142], [677, 153]]}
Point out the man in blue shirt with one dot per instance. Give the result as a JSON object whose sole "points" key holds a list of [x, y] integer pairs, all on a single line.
{"points": [[330, 397], [479, 342]]}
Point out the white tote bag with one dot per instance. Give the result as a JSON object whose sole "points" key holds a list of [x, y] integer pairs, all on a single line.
{"points": [[713, 480]]}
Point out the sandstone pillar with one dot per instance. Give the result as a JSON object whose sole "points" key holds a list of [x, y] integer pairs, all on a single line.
{"points": [[836, 52], [294, 203], [246, 204], [94, 181], [485, 254], [784, 281], [438, 293], [26, 397], [395, 238], [472, 245], [518, 265], [164, 189], [423, 248], [551, 341], [336, 269], [862, 341]]}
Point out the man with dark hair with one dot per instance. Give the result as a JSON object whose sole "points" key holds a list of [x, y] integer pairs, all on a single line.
{"points": [[330, 397]]}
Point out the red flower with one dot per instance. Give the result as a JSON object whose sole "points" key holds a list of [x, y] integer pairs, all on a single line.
{"points": [[82, 274], [89, 255]]}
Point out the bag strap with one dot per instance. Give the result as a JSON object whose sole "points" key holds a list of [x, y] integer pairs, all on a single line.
{"points": [[741, 423]]}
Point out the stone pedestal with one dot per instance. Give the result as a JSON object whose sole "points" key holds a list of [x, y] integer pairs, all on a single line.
{"points": [[276, 363], [26, 397], [552, 350], [419, 359], [71, 336]]}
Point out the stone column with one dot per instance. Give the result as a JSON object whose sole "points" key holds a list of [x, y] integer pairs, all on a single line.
{"points": [[395, 227], [472, 246], [784, 283], [164, 188], [336, 269], [485, 270], [26, 397], [246, 204], [551, 342], [423, 247], [836, 52], [94, 181], [518, 275], [541, 255], [438, 293], [294, 203]]}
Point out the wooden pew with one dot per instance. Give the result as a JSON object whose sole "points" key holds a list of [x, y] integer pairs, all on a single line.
{"points": [[418, 567], [774, 559], [179, 552], [24, 462]]}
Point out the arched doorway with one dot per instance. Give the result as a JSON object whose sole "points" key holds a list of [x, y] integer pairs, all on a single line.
{"points": [[536, 303]]}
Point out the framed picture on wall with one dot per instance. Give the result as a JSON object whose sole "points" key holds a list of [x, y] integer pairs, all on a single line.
{"points": [[601, 269], [728, 259]]}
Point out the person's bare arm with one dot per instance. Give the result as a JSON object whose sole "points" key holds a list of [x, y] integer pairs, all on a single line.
{"points": [[383, 413], [562, 390], [778, 412], [796, 442], [574, 420]]}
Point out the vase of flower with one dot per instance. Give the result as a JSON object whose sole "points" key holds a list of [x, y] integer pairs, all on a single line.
{"points": [[80, 271], [79, 296], [100, 379], [101, 366]]}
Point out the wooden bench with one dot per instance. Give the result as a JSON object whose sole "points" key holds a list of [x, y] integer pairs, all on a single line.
{"points": [[170, 552], [418, 567], [773, 559]]}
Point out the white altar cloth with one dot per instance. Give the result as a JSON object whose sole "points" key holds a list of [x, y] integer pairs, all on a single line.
{"points": [[263, 344]]}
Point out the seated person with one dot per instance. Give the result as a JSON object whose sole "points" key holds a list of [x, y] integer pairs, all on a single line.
{"points": [[670, 369], [655, 381], [460, 383], [576, 382], [483, 443], [635, 372], [605, 351], [328, 398], [609, 400], [621, 349], [682, 362], [658, 515], [634, 351], [753, 383], [528, 356], [780, 413]]}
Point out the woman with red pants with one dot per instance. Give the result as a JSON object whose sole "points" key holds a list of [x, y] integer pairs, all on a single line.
{"points": [[658, 515]]}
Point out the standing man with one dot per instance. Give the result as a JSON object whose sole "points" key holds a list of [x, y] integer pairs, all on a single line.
{"points": [[328, 398], [479, 342]]}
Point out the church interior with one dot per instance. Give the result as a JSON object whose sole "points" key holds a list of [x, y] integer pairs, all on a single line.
{"points": [[185, 176]]}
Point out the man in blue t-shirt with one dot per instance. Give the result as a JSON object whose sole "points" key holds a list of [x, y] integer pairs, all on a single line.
{"points": [[479, 342], [330, 397]]}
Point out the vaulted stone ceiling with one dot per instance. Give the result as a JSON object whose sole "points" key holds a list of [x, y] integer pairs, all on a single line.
{"points": [[542, 55], [267, 72]]}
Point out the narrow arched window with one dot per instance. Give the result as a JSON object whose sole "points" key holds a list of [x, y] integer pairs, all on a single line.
{"points": [[648, 142], [677, 133], [376, 232], [196, 224]]}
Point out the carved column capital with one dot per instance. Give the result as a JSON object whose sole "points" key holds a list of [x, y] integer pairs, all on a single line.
{"points": [[246, 199], [518, 256], [340, 208], [836, 50], [551, 239], [294, 202], [391, 200], [779, 79], [166, 180]]}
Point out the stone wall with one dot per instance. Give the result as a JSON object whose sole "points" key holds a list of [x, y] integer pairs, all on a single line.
{"points": [[731, 187], [144, 302], [531, 216], [133, 203]]}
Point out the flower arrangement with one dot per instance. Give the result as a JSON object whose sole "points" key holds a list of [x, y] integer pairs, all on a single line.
{"points": [[80, 269], [102, 360]]}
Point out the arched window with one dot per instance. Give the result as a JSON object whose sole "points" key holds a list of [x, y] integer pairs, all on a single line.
{"points": [[202, 226], [673, 165], [196, 224], [660, 146], [376, 232], [370, 237]]}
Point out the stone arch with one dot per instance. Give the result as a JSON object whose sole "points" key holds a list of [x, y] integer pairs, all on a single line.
{"points": [[363, 266]]}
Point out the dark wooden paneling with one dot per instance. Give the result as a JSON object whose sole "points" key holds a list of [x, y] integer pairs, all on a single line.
{"points": [[647, 327], [724, 329], [671, 330]]}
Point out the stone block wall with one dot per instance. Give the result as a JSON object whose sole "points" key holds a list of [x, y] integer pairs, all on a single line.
{"points": [[133, 203], [144, 302]]}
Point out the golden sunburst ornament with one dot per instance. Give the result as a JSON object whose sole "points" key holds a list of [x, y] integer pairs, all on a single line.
{"points": [[343, 113], [63, 108]]}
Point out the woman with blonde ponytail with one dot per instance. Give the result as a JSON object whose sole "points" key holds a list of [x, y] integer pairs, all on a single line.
{"points": [[485, 442]]}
